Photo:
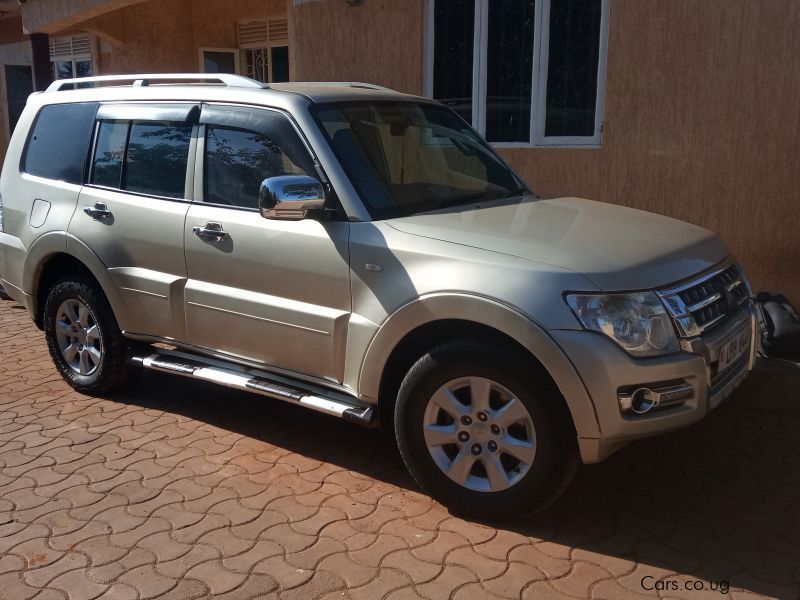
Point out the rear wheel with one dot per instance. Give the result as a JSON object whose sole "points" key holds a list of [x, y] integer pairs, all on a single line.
{"points": [[484, 431], [84, 339]]}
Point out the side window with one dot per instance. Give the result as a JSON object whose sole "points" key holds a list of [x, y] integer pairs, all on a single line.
{"points": [[238, 160], [59, 142], [145, 157], [109, 153], [156, 160]]}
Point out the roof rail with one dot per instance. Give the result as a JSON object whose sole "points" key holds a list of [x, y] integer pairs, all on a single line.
{"points": [[145, 80], [355, 84]]}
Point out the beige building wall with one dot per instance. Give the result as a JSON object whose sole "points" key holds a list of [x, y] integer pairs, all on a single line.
{"points": [[379, 41], [166, 35], [701, 112], [701, 116]]}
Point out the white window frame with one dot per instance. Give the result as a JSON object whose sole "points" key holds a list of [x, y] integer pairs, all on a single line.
{"points": [[57, 53], [234, 51], [541, 56]]}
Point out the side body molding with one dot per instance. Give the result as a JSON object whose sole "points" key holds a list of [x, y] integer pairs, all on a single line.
{"points": [[493, 314]]}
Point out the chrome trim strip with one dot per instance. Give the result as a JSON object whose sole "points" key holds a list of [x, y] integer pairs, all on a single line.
{"points": [[698, 280], [734, 285], [712, 322], [703, 303], [661, 397], [682, 314]]}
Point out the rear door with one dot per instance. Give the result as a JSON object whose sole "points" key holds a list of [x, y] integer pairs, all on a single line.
{"points": [[132, 211], [272, 291]]}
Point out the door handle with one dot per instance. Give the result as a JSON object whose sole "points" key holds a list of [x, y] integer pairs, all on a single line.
{"points": [[98, 212], [211, 232]]}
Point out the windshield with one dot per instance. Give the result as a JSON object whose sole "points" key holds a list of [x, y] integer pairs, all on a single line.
{"points": [[409, 157]]}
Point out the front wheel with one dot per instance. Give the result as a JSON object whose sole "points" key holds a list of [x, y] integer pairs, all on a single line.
{"points": [[484, 431], [84, 339]]}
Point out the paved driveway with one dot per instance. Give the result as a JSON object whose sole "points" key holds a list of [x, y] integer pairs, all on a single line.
{"points": [[180, 490]]}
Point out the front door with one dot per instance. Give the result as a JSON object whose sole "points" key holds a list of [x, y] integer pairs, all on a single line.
{"points": [[275, 292], [132, 211]]}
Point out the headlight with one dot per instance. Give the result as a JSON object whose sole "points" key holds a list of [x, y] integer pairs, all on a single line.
{"points": [[638, 322]]}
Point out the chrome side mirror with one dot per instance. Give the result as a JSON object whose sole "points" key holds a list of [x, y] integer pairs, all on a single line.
{"points": [[290, 197]]}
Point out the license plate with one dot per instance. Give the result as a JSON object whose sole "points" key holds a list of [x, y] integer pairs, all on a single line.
{"points": [[733, 349]]}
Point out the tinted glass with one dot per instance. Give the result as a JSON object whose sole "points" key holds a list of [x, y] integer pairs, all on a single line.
{"points": [[219, 62], [83, 68], [59, 143], [109, 153], [509, 70], [237, 161], [454, 31], [19, 85], [63, 69], [280, 64], [157, 157], [406, 157], [572, 67]]}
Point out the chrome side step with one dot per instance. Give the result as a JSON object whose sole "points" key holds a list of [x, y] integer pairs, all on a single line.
{"points": [[234, 376]]}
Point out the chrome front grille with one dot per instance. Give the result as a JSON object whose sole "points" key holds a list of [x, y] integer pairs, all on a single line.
{"points": [[700, 305]]}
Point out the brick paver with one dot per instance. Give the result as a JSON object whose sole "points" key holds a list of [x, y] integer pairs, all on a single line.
{"points": [[175, 489]]}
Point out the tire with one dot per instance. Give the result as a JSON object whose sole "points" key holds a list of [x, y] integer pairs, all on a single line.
{"points": [[545, 439], [99, 363]]}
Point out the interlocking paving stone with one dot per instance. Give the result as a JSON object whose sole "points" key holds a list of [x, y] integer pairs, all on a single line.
{"points": [[178, 490]]}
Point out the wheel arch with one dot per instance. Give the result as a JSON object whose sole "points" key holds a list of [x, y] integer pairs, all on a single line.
{"points": [[47, 265], [416, 327]]}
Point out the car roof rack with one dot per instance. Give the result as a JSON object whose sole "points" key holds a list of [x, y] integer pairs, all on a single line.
{"points": [[164, 78], [354, 84]]}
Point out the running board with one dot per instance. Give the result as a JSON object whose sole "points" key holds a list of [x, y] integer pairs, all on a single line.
{"points": [[238, 378]]}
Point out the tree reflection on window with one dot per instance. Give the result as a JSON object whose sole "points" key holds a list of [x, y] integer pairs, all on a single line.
{"points": [[236, 163], [157, 158]]}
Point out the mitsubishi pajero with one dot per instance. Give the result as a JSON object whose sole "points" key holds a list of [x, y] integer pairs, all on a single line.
{"points": [[363, 253]]}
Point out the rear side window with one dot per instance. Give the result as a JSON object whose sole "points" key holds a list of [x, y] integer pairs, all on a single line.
{"points": [[144, 157], [59, 142], [109, 154]]}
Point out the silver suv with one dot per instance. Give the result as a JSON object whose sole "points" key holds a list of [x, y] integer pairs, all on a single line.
{"points": [[363, 253]]}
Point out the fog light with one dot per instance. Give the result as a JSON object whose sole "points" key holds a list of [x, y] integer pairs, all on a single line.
{"points": [[644, 399]]}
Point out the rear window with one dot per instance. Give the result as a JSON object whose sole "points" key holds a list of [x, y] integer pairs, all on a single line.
{"points": [[59, 142]]}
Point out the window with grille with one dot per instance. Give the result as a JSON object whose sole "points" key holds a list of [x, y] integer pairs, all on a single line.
{"points": [[71, 56], [265, 50]]}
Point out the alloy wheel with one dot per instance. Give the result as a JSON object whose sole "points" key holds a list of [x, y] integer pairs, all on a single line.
{"points": [[78, 337], [479, 434]]}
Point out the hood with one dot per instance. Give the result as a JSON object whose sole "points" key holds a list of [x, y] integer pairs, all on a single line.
{"points": [[618, 248]]}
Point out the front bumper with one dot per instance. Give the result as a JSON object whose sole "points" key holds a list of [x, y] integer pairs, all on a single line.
{"points": [[606, 369]]}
